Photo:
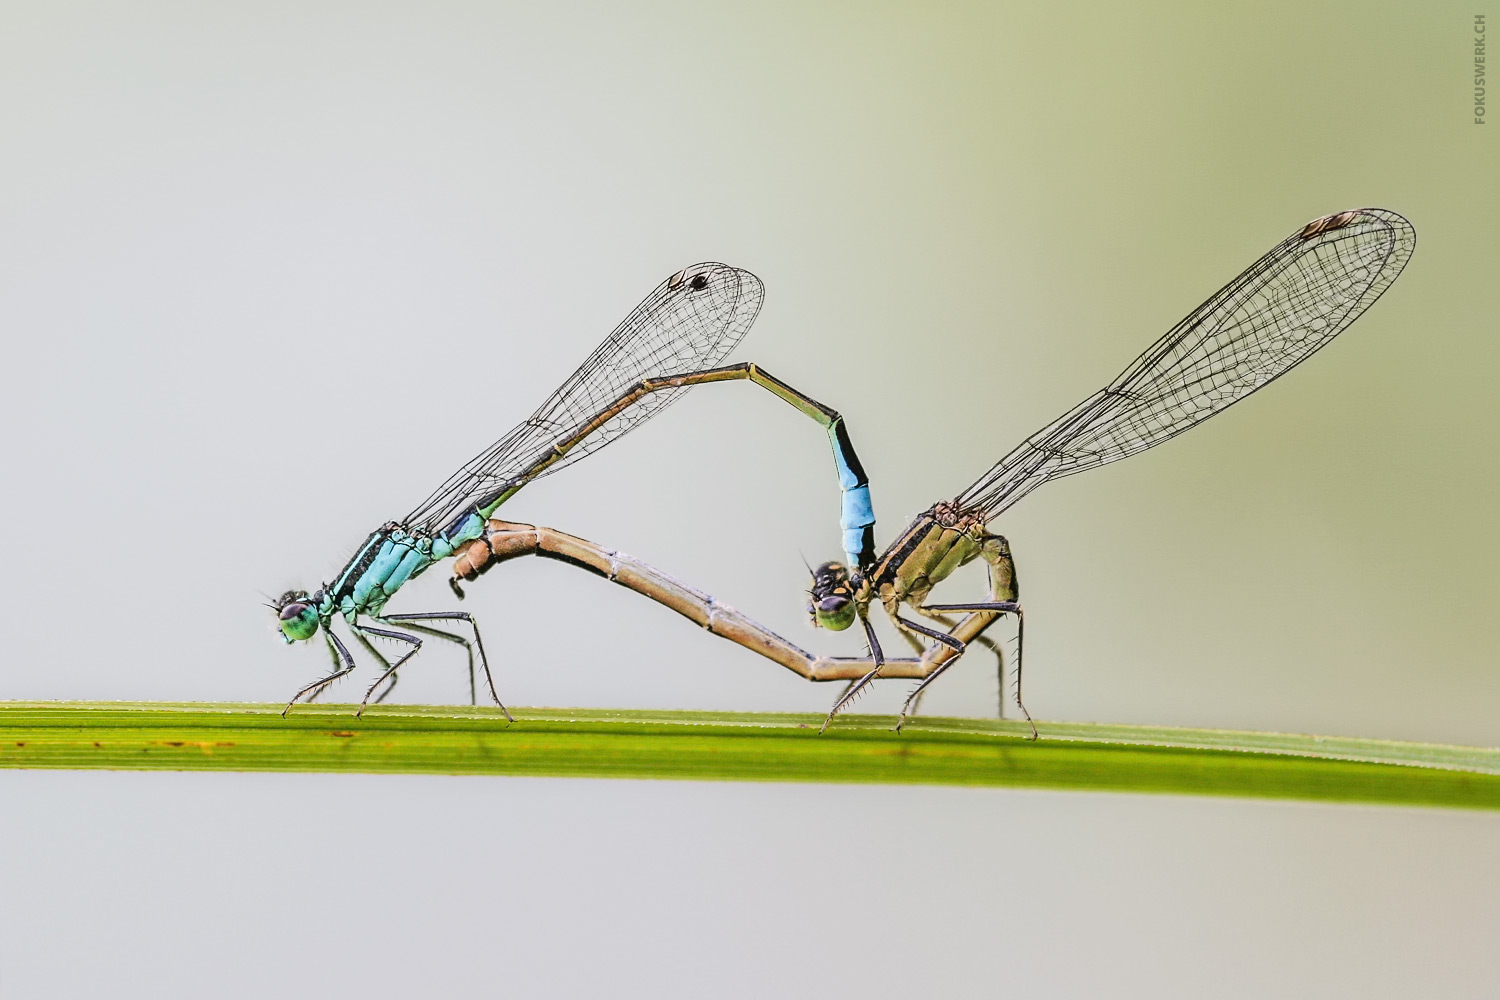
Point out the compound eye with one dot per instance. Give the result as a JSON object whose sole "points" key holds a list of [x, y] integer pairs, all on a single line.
{"points": [[836, 618], [299, 620], [834, 613]]}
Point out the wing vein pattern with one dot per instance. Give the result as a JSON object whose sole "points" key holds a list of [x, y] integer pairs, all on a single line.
{"points": [[690, 322], [1269, 319]]}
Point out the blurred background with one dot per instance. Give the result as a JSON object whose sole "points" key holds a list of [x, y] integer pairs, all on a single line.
{"points": [[255, 258]]}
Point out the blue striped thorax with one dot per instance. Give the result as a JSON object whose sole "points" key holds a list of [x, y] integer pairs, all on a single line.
{"points": [[390, 557]]}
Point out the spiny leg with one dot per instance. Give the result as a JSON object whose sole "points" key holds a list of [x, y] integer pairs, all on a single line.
{"points": [[876, 653], [851, 692], [954, 644], [931, 633], [1020, 642], [916, 694], [1005, 607], [450, 637], [459, 616], [318, 685], [334, 656], [917, 645], [981, 639], [855, 687], [908, 631], [914, 700], [381, 659], [416, 645]]}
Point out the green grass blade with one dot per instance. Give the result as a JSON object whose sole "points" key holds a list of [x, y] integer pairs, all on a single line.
{"points": [[743, 747]]}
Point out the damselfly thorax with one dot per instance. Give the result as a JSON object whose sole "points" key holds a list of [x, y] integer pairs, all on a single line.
{"points": [[933, 546], [937, 543]]}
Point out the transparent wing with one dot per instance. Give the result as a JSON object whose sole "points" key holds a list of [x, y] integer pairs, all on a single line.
{"points": [[688, 323], [1276, 314]]}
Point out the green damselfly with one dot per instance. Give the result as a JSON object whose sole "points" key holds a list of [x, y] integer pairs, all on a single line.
{"points": [[1274, 315], [668, 343]]}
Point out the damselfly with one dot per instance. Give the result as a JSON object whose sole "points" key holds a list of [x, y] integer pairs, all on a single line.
{"points": [[1274, 315], [671, 341]]}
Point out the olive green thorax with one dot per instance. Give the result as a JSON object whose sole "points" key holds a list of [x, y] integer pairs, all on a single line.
{"points": [[938, 542]]}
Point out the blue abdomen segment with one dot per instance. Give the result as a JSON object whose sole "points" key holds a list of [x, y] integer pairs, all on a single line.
{"points": [[857, 509], [857, 518]]}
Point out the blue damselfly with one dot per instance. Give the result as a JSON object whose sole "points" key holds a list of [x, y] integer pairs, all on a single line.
{"points": [[668, 343]]}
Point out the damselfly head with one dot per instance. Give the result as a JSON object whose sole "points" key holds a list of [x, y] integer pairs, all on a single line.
{"points": [[297, 614], [831, 599]]}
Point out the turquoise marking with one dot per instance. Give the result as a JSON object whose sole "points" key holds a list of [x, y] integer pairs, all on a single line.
{"points": [[473, 526], [858, 514], [342, 581], [857, 509], [413, 563], [472, 529], [400, 557], [386, 560]]}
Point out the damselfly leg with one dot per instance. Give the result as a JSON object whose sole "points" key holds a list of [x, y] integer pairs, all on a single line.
{"points": [[412, 641], [931, 633], [456, 616], [999, 607], [380, 658], [341, 655], [853, 691], [447, 637], [847, 697], [915, 701], [334, 656], [908, 629]]}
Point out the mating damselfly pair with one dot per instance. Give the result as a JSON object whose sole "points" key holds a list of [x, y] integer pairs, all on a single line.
{"points": [[1272, 316]]}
